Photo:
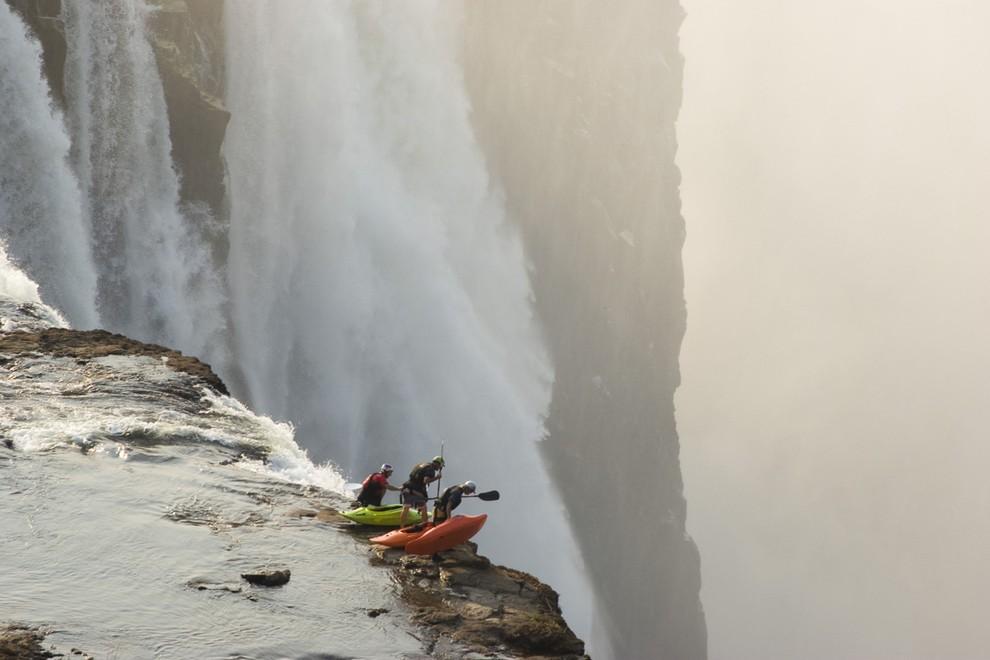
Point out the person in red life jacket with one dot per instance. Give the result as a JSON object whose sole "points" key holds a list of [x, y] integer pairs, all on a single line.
{"points": [[450, 500], [375, 485], [414, 490]]}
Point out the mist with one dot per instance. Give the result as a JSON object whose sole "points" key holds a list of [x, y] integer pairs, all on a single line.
{"points": [[834, 406]]}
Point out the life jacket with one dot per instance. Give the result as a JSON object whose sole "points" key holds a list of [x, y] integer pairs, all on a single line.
{"points": [[442, 502], [418, 476], [370, 479], [372, 490], [440, 509]]}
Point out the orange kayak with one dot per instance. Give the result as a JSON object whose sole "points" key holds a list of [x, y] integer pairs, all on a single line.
{"points": [[398, 538], [446, 535]]}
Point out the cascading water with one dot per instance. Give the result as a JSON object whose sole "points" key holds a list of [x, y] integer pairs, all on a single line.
{"points": [[379, 297], [41, 215], [19, 293], [156, 280]]}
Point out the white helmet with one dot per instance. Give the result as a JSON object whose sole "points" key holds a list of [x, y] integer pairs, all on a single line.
{"points": [[470, 486], [386, 468]]}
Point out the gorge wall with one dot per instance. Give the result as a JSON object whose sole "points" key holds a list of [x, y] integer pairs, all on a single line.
{"points": [[575, 104]]}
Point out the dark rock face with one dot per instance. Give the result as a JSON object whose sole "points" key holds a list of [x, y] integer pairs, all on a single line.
{"points": [[575, 104], [268, 578], [44, 19], [22, 643], [467, 605], [188, 42], [89, 344]]}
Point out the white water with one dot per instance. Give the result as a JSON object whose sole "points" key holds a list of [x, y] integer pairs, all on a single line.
{"points": [[379, 297], [108, 400], [156, 280], [111, 402], [18, 295], [41, 216]]}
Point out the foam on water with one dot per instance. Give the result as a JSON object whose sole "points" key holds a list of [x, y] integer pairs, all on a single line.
{"points": [[113, 402], [21, 307], [285, 459]]}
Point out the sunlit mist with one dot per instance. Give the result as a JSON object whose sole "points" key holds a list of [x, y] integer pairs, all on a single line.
{"points": [[834, 406]]}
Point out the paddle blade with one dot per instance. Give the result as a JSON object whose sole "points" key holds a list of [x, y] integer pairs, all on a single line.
{"points": [[489, 496]]}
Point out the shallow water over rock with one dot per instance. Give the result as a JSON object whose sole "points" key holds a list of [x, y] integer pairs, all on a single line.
{"points": [[141, 557]]}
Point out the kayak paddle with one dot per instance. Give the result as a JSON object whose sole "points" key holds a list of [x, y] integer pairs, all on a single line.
{"points": [[488, 496]]}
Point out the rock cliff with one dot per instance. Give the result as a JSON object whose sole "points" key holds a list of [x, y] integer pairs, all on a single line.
{"points": [[575, 104], [470, 608]]}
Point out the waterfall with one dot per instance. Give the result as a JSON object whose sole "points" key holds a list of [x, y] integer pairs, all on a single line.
{"points": [[156, 278], [41, 215], [379, 295]]}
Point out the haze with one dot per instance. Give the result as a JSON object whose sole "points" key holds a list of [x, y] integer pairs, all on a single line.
{"points": [[834, 404]]}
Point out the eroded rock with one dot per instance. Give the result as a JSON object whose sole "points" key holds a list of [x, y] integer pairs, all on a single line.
{"points": [[90, 344], [268, 578], [472, 608], [19, 642]]}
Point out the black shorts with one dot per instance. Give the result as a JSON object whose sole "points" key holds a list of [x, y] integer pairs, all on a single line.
{"points": [[413, 497], [370, 500]]}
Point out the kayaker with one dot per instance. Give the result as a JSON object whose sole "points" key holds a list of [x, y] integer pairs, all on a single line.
{"points": [[450, 500], [414, 490], [375, 485]]}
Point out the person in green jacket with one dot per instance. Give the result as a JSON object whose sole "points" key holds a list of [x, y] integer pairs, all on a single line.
{"points": [[413, 492]]}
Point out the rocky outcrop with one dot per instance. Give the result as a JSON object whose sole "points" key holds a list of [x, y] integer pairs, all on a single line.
{"points": [[19, 642], [22, 643], [86, 345], [268, 577], [468, 606], [575, 105]]}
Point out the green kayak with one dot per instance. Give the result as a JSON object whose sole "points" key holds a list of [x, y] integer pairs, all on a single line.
{"points": [[381, 516]]}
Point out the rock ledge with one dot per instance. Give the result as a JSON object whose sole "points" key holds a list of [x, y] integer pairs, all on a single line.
{"points": [[89, 344], [470, 608]]}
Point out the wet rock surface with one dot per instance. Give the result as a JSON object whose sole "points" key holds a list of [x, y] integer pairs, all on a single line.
{"points": [[89, 344], [268, 578], [19, 642], [469, 608]]}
